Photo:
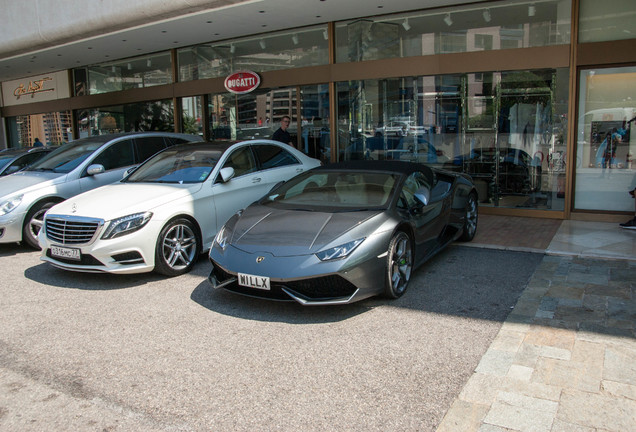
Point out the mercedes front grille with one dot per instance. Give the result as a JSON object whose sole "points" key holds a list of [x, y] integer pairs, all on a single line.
{"points": [[70, 229]]}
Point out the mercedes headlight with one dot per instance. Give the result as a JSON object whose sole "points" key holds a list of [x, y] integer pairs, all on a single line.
{"points": [[339, 252], [9, 205], [126, 225]]}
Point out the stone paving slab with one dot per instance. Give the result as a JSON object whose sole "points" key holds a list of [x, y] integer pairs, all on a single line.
{"points": [[564, 360]]}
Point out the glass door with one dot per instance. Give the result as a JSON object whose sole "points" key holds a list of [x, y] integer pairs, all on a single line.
{"points": [[315, 131], [525, 141]]}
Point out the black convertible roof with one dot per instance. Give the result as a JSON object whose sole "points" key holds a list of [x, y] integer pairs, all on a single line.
{"points": [[402, 167]]}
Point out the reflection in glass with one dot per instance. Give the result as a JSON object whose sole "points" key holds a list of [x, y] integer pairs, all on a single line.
{"points": [[605, 143], [254, 115], [66, 159], [51, 129], [601, 21], [148, 116], [283, 50], [192, 113], [137, 72], [181, 165], [315, 131], [502, 128], [486, 26]]}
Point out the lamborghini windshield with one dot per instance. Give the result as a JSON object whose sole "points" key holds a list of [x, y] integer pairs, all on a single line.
{"points": [[349, 190]]}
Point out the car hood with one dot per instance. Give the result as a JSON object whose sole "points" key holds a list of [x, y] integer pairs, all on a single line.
{"points": [[25, 181], [295, 232], [121, 199]]}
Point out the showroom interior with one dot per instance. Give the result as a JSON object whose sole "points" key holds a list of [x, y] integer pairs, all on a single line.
{"points": [[534, 99]]}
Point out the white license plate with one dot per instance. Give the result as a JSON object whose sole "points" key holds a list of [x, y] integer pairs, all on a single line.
{"points": [[252, 281], [64, 252]]}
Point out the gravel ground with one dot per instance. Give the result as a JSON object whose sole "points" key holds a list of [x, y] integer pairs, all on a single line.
{"points": [[144, 353]]}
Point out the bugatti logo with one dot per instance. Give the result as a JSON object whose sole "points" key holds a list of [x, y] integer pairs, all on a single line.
{"points": [[242, 82], [260, 259]]}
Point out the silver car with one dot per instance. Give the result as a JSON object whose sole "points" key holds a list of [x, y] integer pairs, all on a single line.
{"points": [[343, 232], [13, 160], [69, 170]]}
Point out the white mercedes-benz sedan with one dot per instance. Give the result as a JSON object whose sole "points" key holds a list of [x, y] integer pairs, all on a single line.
{"points": [[73, 168], [167, 211]]}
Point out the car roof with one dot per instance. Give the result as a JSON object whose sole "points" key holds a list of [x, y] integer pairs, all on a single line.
{"points": [[108, 137], [24, 150], [96, 138], [401, 167], [205, 145], [224, 144]]}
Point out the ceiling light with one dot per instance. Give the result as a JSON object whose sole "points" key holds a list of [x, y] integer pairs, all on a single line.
{"points": [[148, 63], [112, 68], [129, 66], [232, 48], [295, 39], [325, 35], [448, 20], [486, 15], [532, 10], [406, 24], [262, 44]]}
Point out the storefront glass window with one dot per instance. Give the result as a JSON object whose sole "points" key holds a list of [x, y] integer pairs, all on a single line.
{"points": [[50, 129], [149, 116], [481, 27], [503, 128], [139, 72], [315, 130], [605, 144], [252, 115], [192, 115], [601, 21], [283, 50], [258, 114]]}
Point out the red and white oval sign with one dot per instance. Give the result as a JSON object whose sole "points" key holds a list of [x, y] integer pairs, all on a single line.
{"points": [[242, 82]]}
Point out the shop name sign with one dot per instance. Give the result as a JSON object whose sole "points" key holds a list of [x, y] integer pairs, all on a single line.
{"points": [[242, 82], [32, 88], [40, 88]]}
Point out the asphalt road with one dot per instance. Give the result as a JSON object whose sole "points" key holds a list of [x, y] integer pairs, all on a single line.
{"points": [[92, 352]]}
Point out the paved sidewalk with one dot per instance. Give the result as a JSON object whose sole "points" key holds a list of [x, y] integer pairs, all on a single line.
{"points": [[565, 359]]}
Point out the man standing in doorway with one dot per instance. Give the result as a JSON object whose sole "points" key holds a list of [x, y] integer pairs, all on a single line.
{"points": [[281, 134]]}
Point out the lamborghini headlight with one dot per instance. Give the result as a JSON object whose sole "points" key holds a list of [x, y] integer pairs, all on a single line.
{"points": [[9, 205], [339, 252], [126, 225], [222, 238]]}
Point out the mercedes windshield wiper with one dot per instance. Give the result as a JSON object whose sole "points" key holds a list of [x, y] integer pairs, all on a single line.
{"points": [[39, 169]]}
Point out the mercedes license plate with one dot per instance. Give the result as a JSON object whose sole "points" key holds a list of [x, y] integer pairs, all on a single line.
{"points": [[64, 252], [252, 281]]}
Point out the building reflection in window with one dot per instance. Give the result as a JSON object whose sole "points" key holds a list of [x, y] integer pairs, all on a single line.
{"points": [[51, 129], [503, 128], [146, 116], [486, 26]]}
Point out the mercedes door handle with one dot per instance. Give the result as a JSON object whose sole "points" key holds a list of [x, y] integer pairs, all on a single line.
{"points": [[256, 180]]}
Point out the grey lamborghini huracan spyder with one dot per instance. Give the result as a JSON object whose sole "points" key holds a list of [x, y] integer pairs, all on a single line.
{"points": [[343, 232]]}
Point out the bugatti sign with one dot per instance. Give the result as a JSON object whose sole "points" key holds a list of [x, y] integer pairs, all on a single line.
{"points": [[242, 82]]}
